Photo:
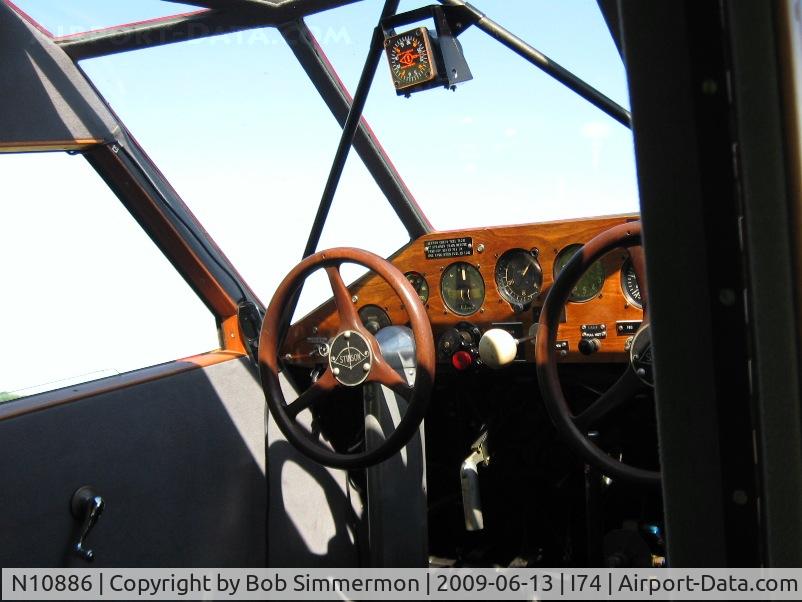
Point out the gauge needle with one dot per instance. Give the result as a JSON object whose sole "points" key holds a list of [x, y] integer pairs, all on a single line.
{"points": [[463, 286], [526, 269]]}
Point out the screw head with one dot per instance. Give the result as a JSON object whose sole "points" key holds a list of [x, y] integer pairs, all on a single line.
{"points": [[709, 87], [366, 366], [335, 371], [347, 334], [727, 297]]}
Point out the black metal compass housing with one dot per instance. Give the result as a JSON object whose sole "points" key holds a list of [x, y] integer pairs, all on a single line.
{"points": [[421, 59]]}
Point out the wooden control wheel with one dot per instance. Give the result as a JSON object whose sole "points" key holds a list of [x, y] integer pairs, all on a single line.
{"points": [[354, 358], [637, 376]]}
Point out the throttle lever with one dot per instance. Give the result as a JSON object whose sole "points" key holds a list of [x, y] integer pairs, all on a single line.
{"points": [[87, 506]]}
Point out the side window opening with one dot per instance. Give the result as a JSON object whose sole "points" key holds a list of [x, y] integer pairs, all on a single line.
{"points": [[85, 292]]}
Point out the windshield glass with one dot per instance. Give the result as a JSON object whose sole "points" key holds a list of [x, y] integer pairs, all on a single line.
{"points": [[237, 127], [242, 134]]}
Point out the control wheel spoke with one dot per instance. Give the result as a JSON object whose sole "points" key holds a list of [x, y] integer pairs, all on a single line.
{"points": [[342, 299], [622, 391], [320, 388], [381, 372]]}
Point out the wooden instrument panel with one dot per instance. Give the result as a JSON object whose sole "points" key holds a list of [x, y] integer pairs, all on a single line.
{"points": [[608, 308]]}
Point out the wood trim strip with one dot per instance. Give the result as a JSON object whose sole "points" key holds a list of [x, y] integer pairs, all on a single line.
{"points": [[49, 399], [27, 146]]}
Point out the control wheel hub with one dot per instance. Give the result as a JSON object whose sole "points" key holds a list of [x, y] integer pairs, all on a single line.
{"points": [[640, 355]]}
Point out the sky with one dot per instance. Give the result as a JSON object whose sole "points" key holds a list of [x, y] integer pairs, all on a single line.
{"points": [[243, 136]]}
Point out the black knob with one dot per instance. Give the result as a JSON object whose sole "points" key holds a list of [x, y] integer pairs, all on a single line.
{"points": [[450, 342], [589, 346]]}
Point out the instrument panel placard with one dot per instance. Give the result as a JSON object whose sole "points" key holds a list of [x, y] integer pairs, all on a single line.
{"points": [[448, 247]]}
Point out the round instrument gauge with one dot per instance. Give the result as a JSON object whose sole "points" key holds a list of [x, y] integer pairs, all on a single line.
{"points": [[374, 318], [592, 280], [420, 285], [518, 277], [462, 288], [629, 284]]}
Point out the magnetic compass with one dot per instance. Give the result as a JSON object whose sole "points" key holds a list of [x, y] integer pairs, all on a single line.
{"points": [[411, 59]]}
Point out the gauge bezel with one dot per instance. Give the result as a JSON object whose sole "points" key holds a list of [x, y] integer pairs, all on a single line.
{"points": [[446, 304], [554, 272], [380, 310], [502, 290], [402, 84], [426, 282], [627, 295]]}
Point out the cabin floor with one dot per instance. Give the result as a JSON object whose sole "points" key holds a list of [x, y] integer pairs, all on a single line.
{"points": [[539, 502], [542, 507]]}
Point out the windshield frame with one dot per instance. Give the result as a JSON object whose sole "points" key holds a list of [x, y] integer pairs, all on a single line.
{"points": [[288, 19]]}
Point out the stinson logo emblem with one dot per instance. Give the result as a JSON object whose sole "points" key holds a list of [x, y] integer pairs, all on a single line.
{"points": [[349, 357]]}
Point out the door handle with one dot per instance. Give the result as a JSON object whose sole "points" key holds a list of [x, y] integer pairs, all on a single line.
{"points": [[86, 506]]}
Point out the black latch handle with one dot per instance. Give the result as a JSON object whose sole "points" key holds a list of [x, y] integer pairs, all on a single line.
{"points": [[86, 506]]}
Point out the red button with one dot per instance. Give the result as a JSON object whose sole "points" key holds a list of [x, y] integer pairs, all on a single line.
{"points": [[462, 360]]}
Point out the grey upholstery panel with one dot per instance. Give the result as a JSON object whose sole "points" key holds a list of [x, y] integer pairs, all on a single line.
{"points": [[43, 96], [318, 519], [397, 508], [315, 516], [179, 461]]}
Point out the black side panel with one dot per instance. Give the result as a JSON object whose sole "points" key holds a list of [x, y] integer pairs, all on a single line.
{"points": [[179, 462], [679, 71], [767, 166]]}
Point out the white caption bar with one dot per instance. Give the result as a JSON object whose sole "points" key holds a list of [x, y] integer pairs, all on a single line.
{"points": [[401, 584]]}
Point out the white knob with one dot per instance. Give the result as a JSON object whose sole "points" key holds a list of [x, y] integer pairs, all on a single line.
{"points": [[497, 348]]}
